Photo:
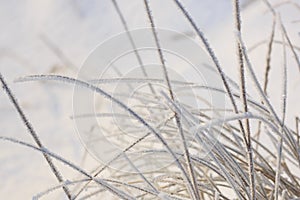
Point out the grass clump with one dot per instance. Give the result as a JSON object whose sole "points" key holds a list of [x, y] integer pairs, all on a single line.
{"points": [[206, 157]]}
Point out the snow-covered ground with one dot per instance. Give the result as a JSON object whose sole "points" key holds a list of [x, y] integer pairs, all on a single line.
{"points": [[41, 37]]}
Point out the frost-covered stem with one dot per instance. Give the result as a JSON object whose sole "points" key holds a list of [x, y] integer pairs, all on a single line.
{"points": [[194, 185], [243, 97], [210, 52], [60, 185], [268, 58], [137, 54], [101, 182], [33, 134], [214, 59], [99, 171], [267, 71], [289, 42], [284, 78], [247, 136], [297, 129], [140, 173], [297, 59], [255, 80], [278, 168], [284, 96], [298, 139]]}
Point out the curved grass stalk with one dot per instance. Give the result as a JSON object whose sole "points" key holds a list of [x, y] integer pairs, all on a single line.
{"points": [[297, 59], [211, 54], [147, 191], [230, 80], [255, 104], [136, 80], [33, 133], [138, 56], [52, 189], [287, 2], [101, 182], [278, 42]]}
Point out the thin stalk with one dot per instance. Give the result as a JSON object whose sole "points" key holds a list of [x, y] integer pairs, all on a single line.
{"points": [[33, 134], [268, 67], [60, 185], [247, 136], [271, 8], [297, 59], [298, 139], [140, 173], [278, 42], [109, 162], [101, 182], [255, 80], [268, 57], [137, 54], [214, 59], [194, 185], [284, 96]]}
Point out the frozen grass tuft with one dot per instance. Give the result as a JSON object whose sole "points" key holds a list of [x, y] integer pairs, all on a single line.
{"points": [[212, 156]]}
